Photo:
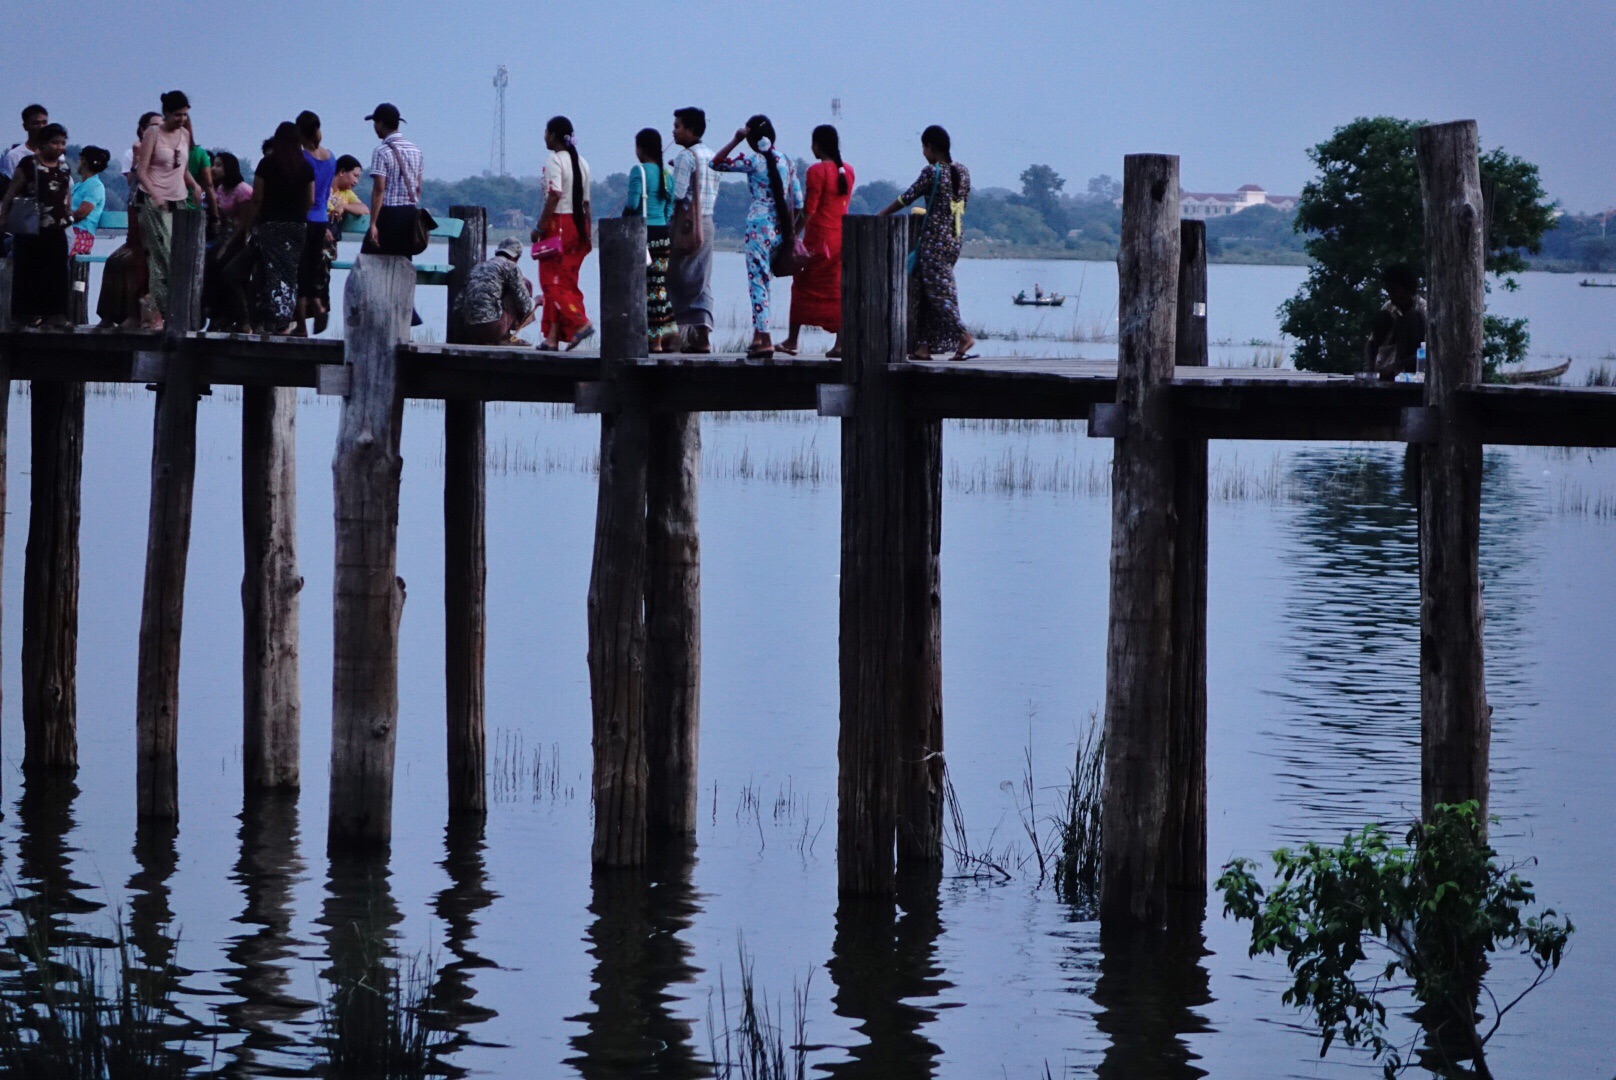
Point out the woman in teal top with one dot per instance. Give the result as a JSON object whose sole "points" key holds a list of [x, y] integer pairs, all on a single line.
{"points": [[650, 192], [89, 198]]}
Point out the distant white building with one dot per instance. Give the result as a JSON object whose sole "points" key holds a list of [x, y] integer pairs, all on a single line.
{"points": [[1211, 204]]}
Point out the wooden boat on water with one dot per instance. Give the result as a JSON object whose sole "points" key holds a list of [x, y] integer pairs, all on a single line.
{"points": [[1021, 299], [1537, 375], [1589, 284]]}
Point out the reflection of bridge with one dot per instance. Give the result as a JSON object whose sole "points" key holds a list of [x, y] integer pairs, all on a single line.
{"points": [[1160, 402]]}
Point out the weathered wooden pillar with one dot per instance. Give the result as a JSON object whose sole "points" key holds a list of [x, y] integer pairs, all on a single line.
{"points": [[1143, 825], [672, 623], [1187, 755], [465, 571], [920, 763], [876, 688], [50, 587], [1455, 720], [6, 327], [369, 594], [617, 577], [272, 696], [168, 536]]}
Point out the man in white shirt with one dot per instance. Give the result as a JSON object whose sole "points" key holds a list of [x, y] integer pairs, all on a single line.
{"points": [[34, 119], [690, 276]]}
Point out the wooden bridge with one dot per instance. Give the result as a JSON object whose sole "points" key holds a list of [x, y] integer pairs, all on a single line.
{"points": [[1160, 402]]}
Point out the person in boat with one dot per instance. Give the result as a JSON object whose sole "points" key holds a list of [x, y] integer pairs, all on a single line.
{"points": [[1037, 291], [1399, 328]]}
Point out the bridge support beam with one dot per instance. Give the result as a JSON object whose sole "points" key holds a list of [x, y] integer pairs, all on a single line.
{"points": [[1455, 720]]}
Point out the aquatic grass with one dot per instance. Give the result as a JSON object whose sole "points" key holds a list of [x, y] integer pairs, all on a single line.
{"points": [[380, 1020], [516, 772], [1077, 864], [754, 1046], [80, 1014], [1603, 375]]}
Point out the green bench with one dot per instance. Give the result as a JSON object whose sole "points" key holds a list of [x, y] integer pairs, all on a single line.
{"points": [[117, 221]]}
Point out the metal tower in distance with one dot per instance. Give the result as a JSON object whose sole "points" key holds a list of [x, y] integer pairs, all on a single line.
{"points": [[502, 79]]}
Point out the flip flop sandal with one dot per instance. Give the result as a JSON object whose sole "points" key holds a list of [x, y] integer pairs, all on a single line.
{"points": [[760, 354], [580, 337], [965, 356], [545, 346], [783, 349]]}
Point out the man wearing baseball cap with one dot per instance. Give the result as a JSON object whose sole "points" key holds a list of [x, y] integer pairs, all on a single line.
{"points": [[497, 300], [396, 168]]}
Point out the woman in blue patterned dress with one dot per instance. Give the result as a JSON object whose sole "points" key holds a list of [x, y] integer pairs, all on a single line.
{"points": [[945, 185], [776, 192]]}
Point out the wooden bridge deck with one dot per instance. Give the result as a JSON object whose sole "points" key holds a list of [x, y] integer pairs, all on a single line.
{"points": [[1206, 402]]}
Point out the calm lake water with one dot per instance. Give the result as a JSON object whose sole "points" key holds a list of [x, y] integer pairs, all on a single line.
{"points": [[544, 971]]}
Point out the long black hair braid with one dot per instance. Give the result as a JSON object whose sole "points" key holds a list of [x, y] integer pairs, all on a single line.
{"points": [[561, 128], [758, 128]]}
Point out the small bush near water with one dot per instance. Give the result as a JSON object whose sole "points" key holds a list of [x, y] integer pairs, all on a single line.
{"points": [[1430, 912]]}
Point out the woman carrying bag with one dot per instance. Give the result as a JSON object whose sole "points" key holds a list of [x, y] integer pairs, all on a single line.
{"points": [[771, 178], [945, 185], [562, 239], [650, 194]]}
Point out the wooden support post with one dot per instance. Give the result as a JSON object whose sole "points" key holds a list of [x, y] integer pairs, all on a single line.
{"points": [[890, 744], [672, 623], [50, 587], [168, 535], [1143, 830], [6, 327], [1187, 751], [617, 577], [272, 698], [1455, 720], [921, 776], [369, 594], [465, 571]]}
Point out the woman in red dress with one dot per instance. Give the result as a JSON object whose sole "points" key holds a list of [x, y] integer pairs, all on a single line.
{"points": [[816, 294]]}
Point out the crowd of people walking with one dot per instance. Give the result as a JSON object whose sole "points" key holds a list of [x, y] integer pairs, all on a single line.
{"points": [[271, 241]]}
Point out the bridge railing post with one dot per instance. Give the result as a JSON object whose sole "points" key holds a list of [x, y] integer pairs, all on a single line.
{"points": [[617, 581], [465, 571], [1455, 720], [890, 745], [168, 536], [369, 594], [1143, 827]]}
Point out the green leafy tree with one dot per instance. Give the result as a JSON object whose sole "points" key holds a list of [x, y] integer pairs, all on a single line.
{"points": [[1104, 188], [1431, 911], [1041, 188], [1363, 212]]}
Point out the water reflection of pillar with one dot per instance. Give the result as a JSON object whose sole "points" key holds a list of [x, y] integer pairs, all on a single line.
{"points": [[1148, 990], [880, 963], [261, 1004], [47, 891], [458, 907], [153, 944], [631, 1029], [359, 915]]}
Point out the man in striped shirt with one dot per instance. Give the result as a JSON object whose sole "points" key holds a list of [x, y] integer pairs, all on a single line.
{"points": [[395, 170]]}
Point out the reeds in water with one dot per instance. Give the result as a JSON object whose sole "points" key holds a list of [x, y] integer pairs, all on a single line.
{"points": [[754, 1046], [87, 1013], [380, 1020], [1077, 861], [1603, 375]]}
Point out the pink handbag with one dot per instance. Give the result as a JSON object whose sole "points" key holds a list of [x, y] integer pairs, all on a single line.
{"points": [[548, 248]]}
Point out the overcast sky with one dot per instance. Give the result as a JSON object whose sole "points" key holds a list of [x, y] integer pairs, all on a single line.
{"points": [[1238, 90]]}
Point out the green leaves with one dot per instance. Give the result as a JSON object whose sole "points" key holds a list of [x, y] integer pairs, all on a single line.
{"points": [[1363, 212], [1438, 904]]}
